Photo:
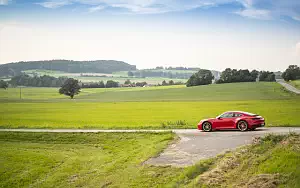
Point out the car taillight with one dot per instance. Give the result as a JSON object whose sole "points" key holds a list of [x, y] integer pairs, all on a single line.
{"points": [[257, 118]]}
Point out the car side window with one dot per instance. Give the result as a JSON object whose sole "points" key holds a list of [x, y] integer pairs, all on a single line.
{"points": [[227, 115], [237, 115]]}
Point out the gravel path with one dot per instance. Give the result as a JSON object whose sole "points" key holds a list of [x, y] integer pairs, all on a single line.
{"points": [[193, 144], [288, 86]]}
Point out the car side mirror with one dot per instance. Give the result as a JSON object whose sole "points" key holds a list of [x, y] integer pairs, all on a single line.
{"points": [[219, 118]]}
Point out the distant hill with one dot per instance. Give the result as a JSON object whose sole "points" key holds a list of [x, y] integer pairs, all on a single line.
{"points": [[98, 66]]}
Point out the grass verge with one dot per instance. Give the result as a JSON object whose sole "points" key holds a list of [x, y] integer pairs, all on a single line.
{"points": [[273, 161]]}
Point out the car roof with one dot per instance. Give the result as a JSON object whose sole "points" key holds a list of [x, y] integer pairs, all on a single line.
{"points": [[242, 112]]}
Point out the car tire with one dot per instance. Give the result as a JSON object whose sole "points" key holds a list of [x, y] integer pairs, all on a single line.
{"points": [[242, 126], [206, 126]]}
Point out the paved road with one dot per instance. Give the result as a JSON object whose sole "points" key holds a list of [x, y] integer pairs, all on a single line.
{"points": [[288, 86], [193, 145]]}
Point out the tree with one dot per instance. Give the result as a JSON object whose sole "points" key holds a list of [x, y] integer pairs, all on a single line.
{"points": [[141, 84], [202, 77], [164, 83], [254, 74], [101, 84], [171, 82], [267, 76], [234, 75], [291, 73], [70, 88], [3, 84], [111, 83], [127, 82]]}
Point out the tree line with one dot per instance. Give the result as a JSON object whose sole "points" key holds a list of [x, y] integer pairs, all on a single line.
{"points": [[37, 81], [205, 77], [165, 74]]}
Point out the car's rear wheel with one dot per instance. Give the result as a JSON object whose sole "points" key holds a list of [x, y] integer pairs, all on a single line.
{"points": [[206, 126], [242, 125]]}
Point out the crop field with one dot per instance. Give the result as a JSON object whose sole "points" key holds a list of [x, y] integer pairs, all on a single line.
{"points": [[117, 160], [146, 108], [120, 77]]}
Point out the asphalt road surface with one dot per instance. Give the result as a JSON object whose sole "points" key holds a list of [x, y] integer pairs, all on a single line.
{"points": [[196, 145], [193, 144], [288, 86]]}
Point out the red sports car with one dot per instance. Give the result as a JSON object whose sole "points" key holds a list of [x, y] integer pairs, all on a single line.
{"points": [[232, 120]]}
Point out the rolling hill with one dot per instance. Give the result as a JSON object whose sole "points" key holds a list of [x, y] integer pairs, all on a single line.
{"points": [[68, 66]]}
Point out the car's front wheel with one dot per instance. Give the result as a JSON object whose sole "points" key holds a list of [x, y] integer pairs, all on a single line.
{"points": [[242, 125], [207, 127]]}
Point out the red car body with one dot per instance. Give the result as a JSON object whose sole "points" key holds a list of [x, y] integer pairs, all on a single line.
{"points": [[232, 120]]}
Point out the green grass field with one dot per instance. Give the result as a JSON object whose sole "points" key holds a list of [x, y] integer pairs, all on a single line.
{"points": [[153, 107], [82, 160], [296, 83], [116, 160]]}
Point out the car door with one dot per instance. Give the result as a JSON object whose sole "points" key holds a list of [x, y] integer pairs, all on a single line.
{"points": [[225, 121]]}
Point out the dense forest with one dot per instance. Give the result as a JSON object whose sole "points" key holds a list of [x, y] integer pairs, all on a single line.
{"points": [[99, 66]]}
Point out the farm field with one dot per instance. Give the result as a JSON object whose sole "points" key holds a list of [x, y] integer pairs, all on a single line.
{"points": [[120, 77], [146, 108], [116, 160]]}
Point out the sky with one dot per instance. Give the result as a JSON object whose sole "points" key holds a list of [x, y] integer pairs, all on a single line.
{"points": [[210, 34]]}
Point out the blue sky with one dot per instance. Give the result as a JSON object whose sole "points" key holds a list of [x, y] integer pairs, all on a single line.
{"points": [[215, 34]]}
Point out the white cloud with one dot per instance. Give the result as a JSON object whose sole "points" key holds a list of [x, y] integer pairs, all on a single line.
{"points": [[257, 9], [96, 8], [255, 13], [54, 4], [4, 2]]}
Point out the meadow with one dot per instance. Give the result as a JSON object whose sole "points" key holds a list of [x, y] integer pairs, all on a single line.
{"points": [[296, 83], [82, 160], [117, 160], [146, 108]]}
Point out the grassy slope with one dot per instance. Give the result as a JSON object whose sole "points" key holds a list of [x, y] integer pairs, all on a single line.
{"points": [[296, 83], [273, 161], [82, 160], [215, 92], [156, 107]]}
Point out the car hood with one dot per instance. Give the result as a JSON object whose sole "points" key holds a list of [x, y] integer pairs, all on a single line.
{"points": [[207, 119]]}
